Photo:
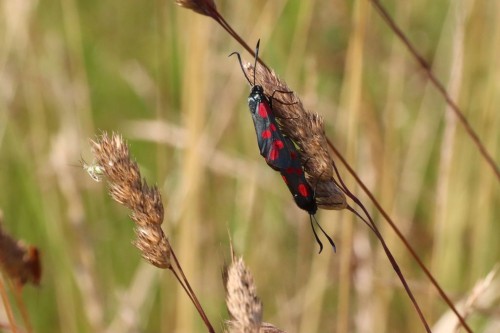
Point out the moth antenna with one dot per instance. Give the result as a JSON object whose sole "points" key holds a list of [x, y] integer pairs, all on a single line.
{"points": [[324, 233], [243, 69], [254, 65], [255, 62], [315, 234]]}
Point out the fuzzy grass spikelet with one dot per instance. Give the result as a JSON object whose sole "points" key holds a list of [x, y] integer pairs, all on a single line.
{"points": [[328, 195], [112, 160], [128, 188], [269, 328], [242, 301]]}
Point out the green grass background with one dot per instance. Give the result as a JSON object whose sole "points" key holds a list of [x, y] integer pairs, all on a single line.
{"points": [[159, 75]]}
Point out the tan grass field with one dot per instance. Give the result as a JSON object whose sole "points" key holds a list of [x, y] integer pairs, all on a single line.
{"points": [[160, 75]]}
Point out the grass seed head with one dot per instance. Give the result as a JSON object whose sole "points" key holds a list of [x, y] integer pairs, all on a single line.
{"points": [[129, 189], [329, 196], [153, 244], [203, 7], [269, 328], [18, 261], [242, 302]]}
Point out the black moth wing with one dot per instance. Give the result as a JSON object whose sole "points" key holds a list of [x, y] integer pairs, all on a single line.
{"points": [[296, 181], [272, 143]]}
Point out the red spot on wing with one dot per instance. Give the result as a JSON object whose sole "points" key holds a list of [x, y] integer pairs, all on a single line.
{"points": [[284, 178], [278, 144], [263, 110], [303, 190], [289, 170], [293, 155], [274, 151], [266, 134], [273, 154], [272, 127]]}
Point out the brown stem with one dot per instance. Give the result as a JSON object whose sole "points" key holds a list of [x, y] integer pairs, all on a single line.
{"points": [[394, 264], [223, 23], [401, 237], [439, 86], [172, 269], [191, 293], [358, 215], [192, 297], [219, 19], [388, 253]]}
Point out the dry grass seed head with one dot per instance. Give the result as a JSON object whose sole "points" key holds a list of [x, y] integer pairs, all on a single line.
{"points": [[242, 302], [153, 244], [203, 7], [18, 261], [269, 328], [329, 196], [125, 182], [129, 189], [307, 130]]}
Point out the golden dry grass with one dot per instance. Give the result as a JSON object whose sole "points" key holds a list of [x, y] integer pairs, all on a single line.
{"points": [[159, 74]]}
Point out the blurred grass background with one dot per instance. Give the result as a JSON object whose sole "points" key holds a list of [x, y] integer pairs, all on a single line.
{"points": [[159, 74]]}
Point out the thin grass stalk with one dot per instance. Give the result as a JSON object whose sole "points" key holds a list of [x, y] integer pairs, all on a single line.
{"points": [[309, 136], [192, 296], [394, 264], [487, 99], [368, 224], [328, 141], [127, 187], [443, 229], [22, 306], [208, 8], [441, 292], [191, 293], [193, 102], [480, 289], [439, 86], [314, 297], [8, 308], [350, 100]]}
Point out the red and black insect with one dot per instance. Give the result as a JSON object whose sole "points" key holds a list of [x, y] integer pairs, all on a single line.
{"points": [[302, 192], [269, 138], [279, 151]]}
